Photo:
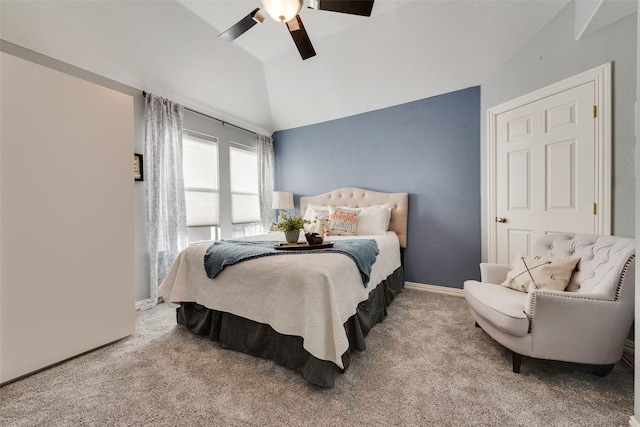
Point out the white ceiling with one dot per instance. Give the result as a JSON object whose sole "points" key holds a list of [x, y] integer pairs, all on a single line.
{"points": [[272, 39], [407, 50]]}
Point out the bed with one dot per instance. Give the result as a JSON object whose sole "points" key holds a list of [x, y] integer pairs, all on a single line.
{"points": [[306, 311]]}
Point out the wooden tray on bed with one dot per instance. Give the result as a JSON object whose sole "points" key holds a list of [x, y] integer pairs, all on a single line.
{"points": [[302, 246]]}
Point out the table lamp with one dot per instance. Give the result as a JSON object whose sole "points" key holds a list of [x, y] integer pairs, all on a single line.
{"points": [[282, 200]]}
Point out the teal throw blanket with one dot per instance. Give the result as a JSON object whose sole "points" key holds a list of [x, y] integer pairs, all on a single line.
{"points": [[228, 252]]}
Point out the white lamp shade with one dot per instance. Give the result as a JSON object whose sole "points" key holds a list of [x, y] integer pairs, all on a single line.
{"points": [[282, 200], [283, 10]]}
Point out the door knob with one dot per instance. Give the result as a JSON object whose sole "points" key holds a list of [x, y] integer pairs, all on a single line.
{"points": [[501, 219]]}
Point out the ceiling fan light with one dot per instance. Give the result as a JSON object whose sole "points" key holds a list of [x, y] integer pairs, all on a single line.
{"points": [[283, 10]]}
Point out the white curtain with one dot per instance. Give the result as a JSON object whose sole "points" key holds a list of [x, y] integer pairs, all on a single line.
{"points": [[265, 180], [164, 183]]}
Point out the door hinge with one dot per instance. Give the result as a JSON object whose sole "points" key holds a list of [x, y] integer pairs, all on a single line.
{"points": [[595, 208], [595, 111]]}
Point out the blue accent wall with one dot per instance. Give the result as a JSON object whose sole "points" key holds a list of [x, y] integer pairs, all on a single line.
{"points": [[429, 148]]}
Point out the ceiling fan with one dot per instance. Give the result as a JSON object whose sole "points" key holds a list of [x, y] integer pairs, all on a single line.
{"points": [[287, 11]]}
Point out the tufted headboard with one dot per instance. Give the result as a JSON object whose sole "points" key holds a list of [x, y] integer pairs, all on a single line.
{"points": [[604, 260], [354, 197]]}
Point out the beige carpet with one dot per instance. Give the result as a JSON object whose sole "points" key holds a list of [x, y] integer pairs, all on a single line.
{"points": [[425, 365]]}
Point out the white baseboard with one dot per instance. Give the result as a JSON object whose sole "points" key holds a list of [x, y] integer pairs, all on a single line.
{"points": [[434, 288], [633, 422]]}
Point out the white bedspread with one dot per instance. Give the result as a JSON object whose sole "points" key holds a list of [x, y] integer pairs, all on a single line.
{"points": [[308, 295]]}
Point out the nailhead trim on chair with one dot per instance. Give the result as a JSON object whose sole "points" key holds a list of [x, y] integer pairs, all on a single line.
{"points": [[529, 317], [624, 273], [574, 295]]}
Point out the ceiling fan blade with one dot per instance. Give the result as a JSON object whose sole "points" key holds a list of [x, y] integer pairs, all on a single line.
{"points": [[241, 26], [301, 38], [353, 7]]}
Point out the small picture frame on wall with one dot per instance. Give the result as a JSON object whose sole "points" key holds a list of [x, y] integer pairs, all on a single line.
{"points": [[138, 171]]}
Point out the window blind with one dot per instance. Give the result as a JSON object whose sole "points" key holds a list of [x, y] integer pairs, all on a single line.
{"points": [[200, 171], [245, 205]]}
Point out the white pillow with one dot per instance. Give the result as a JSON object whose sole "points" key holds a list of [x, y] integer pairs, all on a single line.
{"points": [[314, 211], [388, 217], [373, 220], [343, 221]]}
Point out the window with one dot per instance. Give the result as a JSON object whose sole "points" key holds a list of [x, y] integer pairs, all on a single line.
{"points": [[245, 204], [220, 164], [200, 170]]}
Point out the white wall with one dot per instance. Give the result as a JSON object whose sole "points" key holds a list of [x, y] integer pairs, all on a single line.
{"points": [[636, 384], [553, 55], [142, 274], [156, 46], [66, 219]]}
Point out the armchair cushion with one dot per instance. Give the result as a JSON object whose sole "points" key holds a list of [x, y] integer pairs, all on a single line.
{"points": [[498, 305], [528, 273]]}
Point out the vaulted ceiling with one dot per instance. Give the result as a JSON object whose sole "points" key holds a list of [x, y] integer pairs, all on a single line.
{"points": [[406, 50]]}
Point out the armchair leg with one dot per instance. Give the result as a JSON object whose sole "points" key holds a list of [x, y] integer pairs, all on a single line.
{"points": [[517, 361], [600, 370]]}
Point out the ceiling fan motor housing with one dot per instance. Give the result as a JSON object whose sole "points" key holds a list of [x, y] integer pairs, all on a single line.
{"points": [[287, 11]]}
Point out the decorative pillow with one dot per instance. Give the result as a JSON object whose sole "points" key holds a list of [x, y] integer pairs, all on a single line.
{"points": [[373, 220], [343, 221], [320, 225], [313, 212], [528, 273]]}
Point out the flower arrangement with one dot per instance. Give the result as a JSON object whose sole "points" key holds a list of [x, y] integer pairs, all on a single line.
{"points": [[290, 222]]}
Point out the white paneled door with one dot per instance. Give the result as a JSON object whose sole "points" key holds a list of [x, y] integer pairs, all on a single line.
{"points": [[548, 169]]}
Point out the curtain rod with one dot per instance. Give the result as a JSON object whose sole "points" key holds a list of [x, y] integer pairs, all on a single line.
{"points": [[144, 94]]}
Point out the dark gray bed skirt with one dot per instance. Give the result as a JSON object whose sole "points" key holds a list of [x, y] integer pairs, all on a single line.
{"points": [[259, 339]]}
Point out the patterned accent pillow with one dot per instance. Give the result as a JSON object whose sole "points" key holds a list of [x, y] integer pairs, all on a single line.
{"points": [[528, 273], [343, 221]]}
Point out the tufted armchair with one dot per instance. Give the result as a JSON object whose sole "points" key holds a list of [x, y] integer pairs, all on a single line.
{"points": [[587, 323]]}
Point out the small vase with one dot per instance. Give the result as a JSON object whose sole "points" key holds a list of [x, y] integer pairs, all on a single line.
{"points": [[292, 236]]}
